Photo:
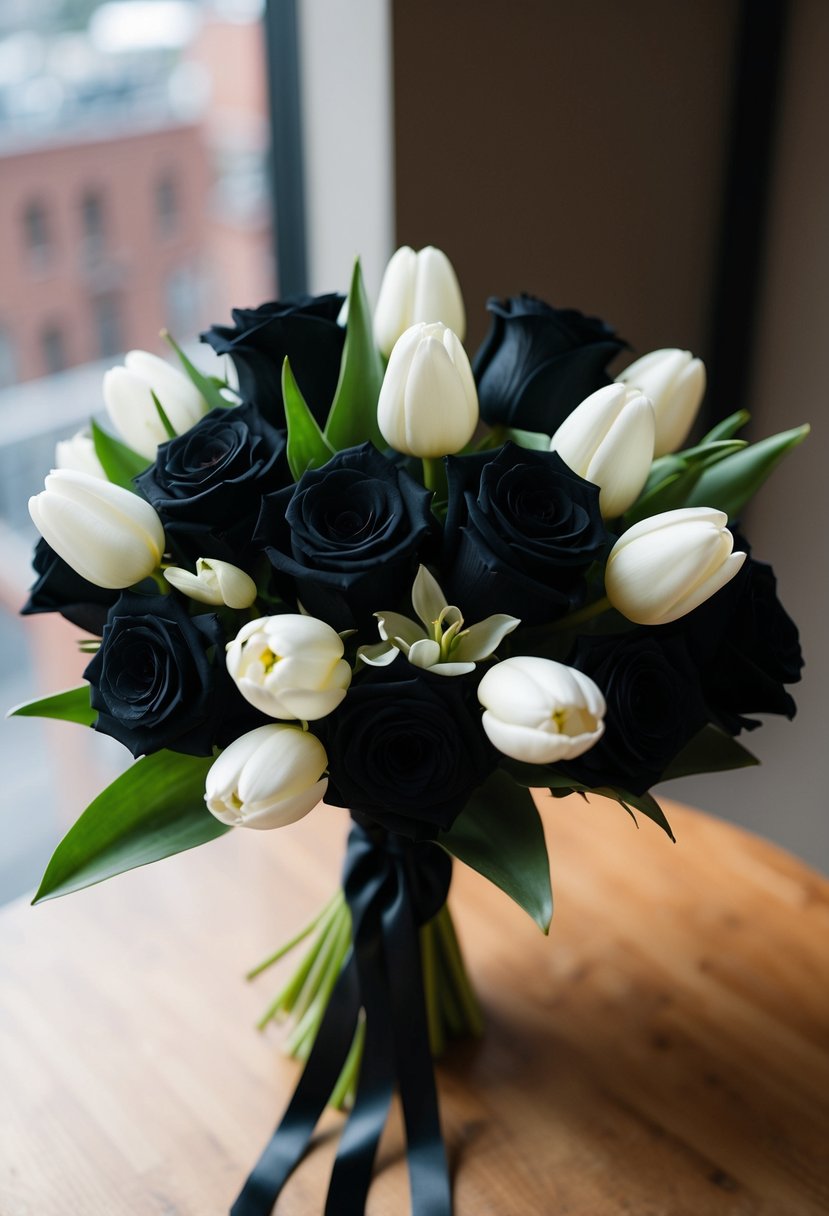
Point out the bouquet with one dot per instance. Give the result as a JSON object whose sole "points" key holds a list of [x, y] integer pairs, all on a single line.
{"points": [[365, 572]]}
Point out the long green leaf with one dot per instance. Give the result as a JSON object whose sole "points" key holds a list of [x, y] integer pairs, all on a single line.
{"points": [[672, 478], [206, 385], [544, 776], [729, 485], [728, 427], [307, 447], [153, 810], [353, 415], [120, 463], [169, 430], [710, 751], [499, 834], [69, 706], [646, 803]]}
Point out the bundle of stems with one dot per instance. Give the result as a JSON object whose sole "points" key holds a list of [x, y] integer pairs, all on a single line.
{"points": [[452, 1009]]}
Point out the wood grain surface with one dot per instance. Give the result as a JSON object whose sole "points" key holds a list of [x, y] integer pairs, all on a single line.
{"points": [[665, 1052]]}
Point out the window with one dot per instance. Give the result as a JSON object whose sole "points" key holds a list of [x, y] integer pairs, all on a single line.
{"points": [[38, 234], [182, 300], [94, 229], [8, 368], [107, 318], [167, 205], [53, 349]]}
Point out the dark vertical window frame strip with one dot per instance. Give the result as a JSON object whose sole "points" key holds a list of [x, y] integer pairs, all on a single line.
{"points": [[287, 170], [749, 173]]}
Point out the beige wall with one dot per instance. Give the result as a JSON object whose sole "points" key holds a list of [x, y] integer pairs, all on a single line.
{"points": [[787, 798], [577, 151]]}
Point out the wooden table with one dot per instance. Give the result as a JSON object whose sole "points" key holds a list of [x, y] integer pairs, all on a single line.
{"points": [[664, 1053]]}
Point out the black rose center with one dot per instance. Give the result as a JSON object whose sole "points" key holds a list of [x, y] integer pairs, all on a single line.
{"points": [[348, 524]]}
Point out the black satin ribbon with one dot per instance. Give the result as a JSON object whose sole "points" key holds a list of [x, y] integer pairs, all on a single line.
{"points": [[392, 886]]}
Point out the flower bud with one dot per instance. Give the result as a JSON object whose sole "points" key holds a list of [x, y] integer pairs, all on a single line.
{"points": [[608, 440], [417, 287], [428, 403], [268, 778], [214, 582], [674, 382], [289, 666], [128, 397], [78, 453], [540, 711], [108, 535], [669, 564]]}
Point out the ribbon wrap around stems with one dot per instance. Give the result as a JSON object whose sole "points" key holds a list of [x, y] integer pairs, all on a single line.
{"points": [[392, 886]]}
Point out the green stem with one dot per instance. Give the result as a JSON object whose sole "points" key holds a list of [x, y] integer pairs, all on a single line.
{"points": [[434, 476], [325, 912], [285, 1000], [466, 993], [584, 614], [318, 970], [347, 1082], [160, 581], [302, 1037]]}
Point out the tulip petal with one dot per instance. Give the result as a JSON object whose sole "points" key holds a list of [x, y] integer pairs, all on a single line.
{"points": [[428, 599], [424, 653], [481, 640]]}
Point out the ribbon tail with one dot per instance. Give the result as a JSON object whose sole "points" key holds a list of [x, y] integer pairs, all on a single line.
{"points": [[429, 1182], [287, 1146]]}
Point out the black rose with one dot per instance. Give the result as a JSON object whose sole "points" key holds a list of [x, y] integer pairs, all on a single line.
{"points": [[302, 327], [747, 648], [522, 529], [345, 540], [160, 680], [407, 749], [654, 707], [59, 588], [207, 484], [538, 363]]}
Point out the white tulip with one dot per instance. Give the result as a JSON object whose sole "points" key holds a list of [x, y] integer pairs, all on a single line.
{"points": [[674, 382], [111, 537], [540, 711], [669, 564], [78, 453], [608, 440], [289, 666], [214, 582], [428, 402], [417, 287], [268, 778], [128, 397]]}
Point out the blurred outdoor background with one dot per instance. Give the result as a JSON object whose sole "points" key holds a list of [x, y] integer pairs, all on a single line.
{"points": [[662, 164]]}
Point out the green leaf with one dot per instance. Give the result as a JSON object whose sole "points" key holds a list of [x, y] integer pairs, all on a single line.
{"points": [[710, 751], [728, 428], [534, 440], [729, 485], [206, 385], [120, 463], [672, 478], [69, 706], [169, 429], [307, 447], [153, 810], [353, 415], [547, 776], [646, 803], [499, 834]]}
